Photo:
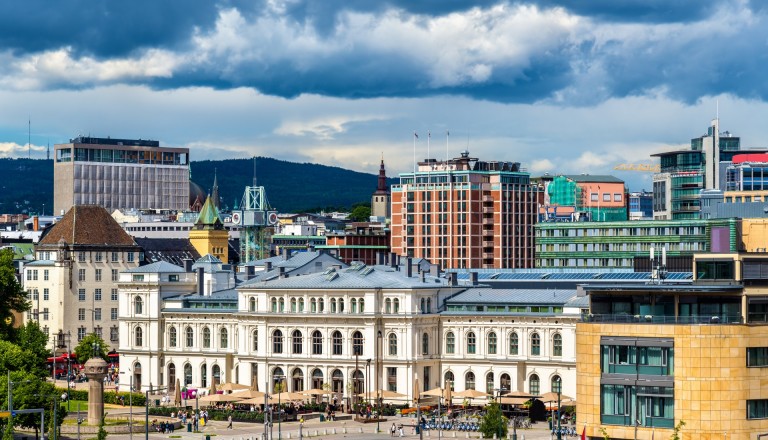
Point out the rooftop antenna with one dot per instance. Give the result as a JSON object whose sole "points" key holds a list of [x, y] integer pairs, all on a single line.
{"points": [[254, 170], [447, 133], [29, 138]]}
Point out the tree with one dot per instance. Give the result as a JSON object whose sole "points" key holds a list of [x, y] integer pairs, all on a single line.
{"points": [[676, 432], [12, 296], [31, 392], [34, 341], [493, 423], [84, 349], [360, 213]]}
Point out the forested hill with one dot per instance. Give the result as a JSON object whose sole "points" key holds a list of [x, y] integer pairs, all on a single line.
{"points": [[26, 185]]}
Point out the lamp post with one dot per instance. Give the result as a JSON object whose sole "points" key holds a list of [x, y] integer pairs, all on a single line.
{"points": [[367, 382], [559, 389], [378, 388], [279, 379]]}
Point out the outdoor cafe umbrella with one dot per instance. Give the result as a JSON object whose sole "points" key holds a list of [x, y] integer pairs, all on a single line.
{"points": [[384, 394], [233, 387], [253, 401], [287, 396], [177, 396], [472, 394], [519, 394], [317, 392], [552, 397], [507, 400], [249, 394], [217, 398]]}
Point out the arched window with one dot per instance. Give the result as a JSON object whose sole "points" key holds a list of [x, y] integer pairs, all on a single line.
{"points": [[557, 384], [301, 305], [277, 341], [281, 301], [505, 383], [396, 306], [361, 305], [492, 343], [216, 374], [341, 305], [337, 343], [206, 337], [223, 338], [533, 385], [317, 379], [273, 302], [138, 305], [425, 344], [387, 306], [293, 305], [297, 341], [489, 383], [337, 381], [313, 305], [321, 305], [392, 344], [172, 336], [278, 380], [535, 344], [357, 343], [317, 342], [423, 305], [449, 379], [429, 305], [469, 381], [297, 379], [138, 337], [333, 305], [450, 343], [203, 376], [187, 375], [471, 343], [514, 344], [557, 345], [252, 304], [353, 305], [255, 340], [190, 336]]}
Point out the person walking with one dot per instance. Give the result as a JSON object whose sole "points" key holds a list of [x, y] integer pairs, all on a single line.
{"points": [[392, 430], [229, 419]]}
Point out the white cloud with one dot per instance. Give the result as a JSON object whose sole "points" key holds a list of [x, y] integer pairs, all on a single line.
{"points": [[323, 128]]}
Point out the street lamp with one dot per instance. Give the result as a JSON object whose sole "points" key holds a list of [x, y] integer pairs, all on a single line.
{"points": [[559, 383], [279, 378]]}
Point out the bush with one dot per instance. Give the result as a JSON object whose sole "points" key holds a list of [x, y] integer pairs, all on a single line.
{"points": [[109, 396]]}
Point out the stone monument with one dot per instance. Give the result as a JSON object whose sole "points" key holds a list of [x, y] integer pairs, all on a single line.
{"points": [[96, 371]]}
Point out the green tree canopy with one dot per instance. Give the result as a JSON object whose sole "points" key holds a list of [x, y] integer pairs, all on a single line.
{"points": [[12, 296], [360, 213], [31, 392], [15, 358], [34, 342], [493, 422], [84, 349]]}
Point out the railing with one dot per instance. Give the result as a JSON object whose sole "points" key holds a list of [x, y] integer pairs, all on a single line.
{"points": [[663, 319]]}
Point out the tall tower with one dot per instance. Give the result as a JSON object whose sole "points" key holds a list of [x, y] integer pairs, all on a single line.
{"points": [[215, 191], [208, 236], [711, 148], [380, 201]]}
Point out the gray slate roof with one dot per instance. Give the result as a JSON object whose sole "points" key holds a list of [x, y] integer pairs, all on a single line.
{"points": [[358, 277], [513, 296], [157, 267]]}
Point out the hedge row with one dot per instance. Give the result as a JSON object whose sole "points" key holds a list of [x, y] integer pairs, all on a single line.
{"points": [[109, 396]]}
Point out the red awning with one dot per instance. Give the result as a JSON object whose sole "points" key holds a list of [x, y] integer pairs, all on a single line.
{"points": [[62, 358]]}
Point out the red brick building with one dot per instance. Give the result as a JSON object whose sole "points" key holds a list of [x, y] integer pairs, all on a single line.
{"points": [[361, 242]]}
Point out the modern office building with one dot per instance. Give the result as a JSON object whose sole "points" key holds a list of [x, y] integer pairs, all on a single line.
{"points": [[584, 197], [465, 213], [641, 205], [622, 245], [120, 173], [359, 242], [651, 356], [685, 173], [72, 284]]}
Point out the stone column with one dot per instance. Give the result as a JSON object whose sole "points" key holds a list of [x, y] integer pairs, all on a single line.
{"points": [[96, 370]]}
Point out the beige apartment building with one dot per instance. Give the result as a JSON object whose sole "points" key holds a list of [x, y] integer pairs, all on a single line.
{"points": [[120, 173], [73, 282]]}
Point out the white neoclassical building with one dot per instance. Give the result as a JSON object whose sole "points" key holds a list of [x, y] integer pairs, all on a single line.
{"points": [[351, 329]]}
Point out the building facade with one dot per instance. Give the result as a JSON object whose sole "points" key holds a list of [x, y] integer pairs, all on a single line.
{"points": [[120, 173], [649, 357], [584, 197], [465, 213], [618, 244], [381, 200], [73, 282], [355, 329]]}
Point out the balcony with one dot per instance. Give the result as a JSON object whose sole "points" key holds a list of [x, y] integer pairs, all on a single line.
{"points": [[488, 198], [662, 319], [487, 232], [488, 210], [487, 255], [487, 220]]}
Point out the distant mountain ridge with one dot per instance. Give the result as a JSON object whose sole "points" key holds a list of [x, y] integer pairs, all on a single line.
{"points": [[27, 184]]}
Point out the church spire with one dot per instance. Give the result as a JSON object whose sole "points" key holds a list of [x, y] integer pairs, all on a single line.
{"points": [[215, 192], [381, 188]]}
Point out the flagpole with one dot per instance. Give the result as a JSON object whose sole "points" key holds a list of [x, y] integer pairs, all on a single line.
{"points": [[415, 136], [447, 133]]}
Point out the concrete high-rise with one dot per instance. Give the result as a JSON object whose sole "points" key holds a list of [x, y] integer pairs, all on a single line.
{"points": [[120, 173], [465, 213]]}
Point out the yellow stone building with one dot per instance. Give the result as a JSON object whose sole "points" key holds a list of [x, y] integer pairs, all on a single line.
{"points": [[208, 235], [653, 355]]}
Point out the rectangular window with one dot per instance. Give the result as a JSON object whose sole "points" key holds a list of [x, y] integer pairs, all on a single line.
{"points": [[98, 257], [81, 314], [114, 275], [80, 334], [45, 275], [606, 197], [392, 378], [45, 314], [81, 275], [757, 409], [593, 197], [81, 256], [98, 274], [113, 295], [34, 275], [130, 257], [138, 278], [115, 257], [113, 334], [29, 275], [97, 314], [173, 278], [97, 295], [81, 294], [113, 313], [757, 357], [616, 197]]}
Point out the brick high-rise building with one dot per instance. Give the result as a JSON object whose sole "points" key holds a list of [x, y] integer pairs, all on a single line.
{"points": [[465, 213]]}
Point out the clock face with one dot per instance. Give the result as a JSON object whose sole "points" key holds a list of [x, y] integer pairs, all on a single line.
{"points": [[9, 320]]}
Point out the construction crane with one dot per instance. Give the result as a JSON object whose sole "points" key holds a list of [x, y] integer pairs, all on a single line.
{"points": [[647, 167]]}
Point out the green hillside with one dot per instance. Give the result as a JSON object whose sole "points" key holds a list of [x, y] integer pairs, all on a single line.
{"points": [[27, 184]]}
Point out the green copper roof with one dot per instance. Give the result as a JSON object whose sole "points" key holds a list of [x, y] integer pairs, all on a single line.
{"points": [[209, 215]]}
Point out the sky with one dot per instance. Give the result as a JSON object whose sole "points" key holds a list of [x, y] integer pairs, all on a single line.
{"points": [[561, 86]]}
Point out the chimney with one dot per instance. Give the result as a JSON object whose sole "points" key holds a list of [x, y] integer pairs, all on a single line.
{"points": [[423, 276], [268, 266], [35, 223], [408, 267], [454, 278], [310, 247], [434, 270], [284, 252], [392, 259], [200, 281], [379, 258], [473, 277], [281, 271], [250, 272], [187, 265]]}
